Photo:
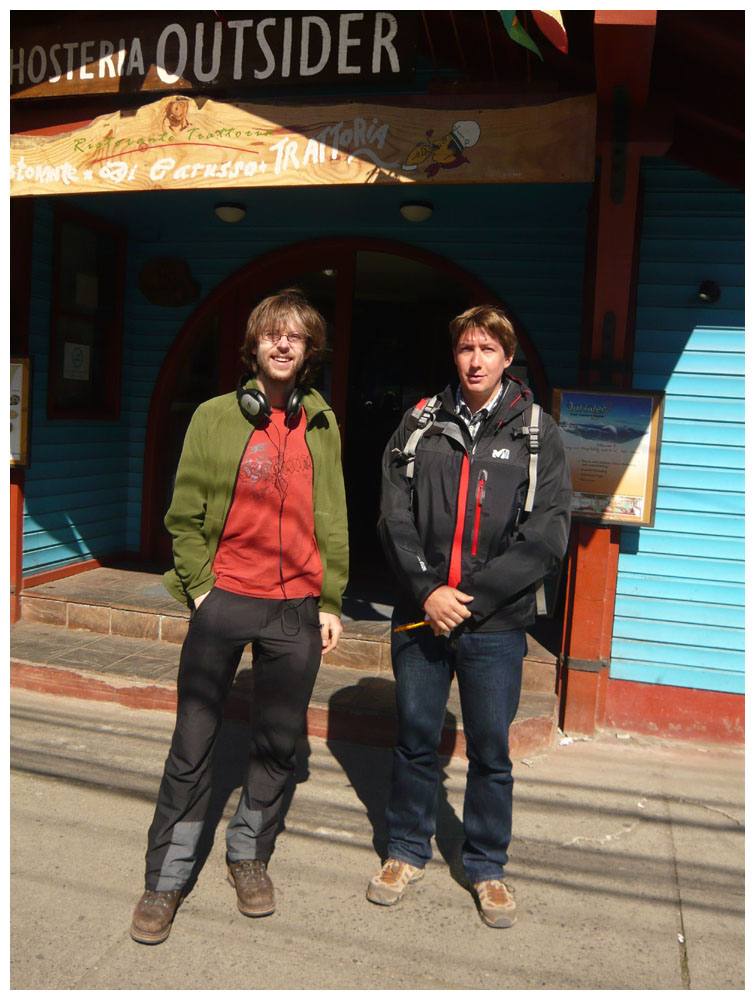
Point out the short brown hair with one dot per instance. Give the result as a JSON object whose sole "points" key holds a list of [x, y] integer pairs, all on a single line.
{"points": [[275, 311], [493, 320]]}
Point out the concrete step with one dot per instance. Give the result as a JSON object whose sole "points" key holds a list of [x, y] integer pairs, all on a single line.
{"points": [[134, 604], [355, 706]]}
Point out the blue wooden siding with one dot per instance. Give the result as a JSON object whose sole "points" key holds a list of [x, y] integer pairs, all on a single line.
{"points": [[75, 498], [84, 486], [680, 596]]}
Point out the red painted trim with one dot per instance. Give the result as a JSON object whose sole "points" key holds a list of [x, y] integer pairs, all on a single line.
{"points": [[675, 713], [570, 574], [623, 46], [454, 571], [21, 219], [72, 684], [627, 17], [17, 478], [596, 558], [269, 271], [50, 575], [526, 736], [588, 624], [623, 54], [580, 691]]}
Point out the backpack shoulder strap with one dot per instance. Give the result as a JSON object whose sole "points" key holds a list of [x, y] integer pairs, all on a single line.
{"points": [[533, 445], [532, 433], [420, 418]]}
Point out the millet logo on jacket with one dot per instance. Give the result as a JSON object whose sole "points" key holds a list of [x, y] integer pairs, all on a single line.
{"points": [[501, 453]]}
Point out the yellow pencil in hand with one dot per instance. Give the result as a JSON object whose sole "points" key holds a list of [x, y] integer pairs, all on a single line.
{"points": [[404, 628]]}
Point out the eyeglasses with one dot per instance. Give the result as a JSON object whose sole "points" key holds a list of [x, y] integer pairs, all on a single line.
{"points": [[272, 337]]}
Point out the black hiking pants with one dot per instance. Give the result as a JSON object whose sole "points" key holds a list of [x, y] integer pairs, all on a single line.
{"points": [[286, 652]]}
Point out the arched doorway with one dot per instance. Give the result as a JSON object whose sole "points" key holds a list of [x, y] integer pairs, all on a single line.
{"points": [[387, 308]]}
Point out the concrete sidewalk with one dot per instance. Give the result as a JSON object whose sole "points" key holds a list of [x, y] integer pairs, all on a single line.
{"points": [[627, 863]]}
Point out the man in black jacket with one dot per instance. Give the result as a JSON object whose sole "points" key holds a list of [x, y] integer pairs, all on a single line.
{"points": [[469, 544]]}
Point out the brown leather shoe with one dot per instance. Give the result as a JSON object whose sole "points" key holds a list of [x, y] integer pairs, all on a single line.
{"points": [[254, 889], [154, 914]]}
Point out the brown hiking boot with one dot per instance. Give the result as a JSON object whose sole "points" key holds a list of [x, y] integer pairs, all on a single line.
{"points": [[254, 888], [154, 914], [389, 885], [495, 902]]}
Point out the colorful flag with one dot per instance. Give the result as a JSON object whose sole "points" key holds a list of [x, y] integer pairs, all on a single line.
{"points": [[551, 24], [517, 33]]}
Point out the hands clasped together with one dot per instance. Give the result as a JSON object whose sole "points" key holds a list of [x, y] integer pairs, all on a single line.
{"points": [[446, 608]]}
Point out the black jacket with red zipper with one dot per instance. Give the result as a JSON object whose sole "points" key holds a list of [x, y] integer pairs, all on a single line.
{"points": [[460, 520]]}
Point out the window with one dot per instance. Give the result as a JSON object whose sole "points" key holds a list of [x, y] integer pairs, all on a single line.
{"points": [[86, 325]]}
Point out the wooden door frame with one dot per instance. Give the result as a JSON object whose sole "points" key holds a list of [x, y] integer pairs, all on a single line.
{"points": [[277, 268]]}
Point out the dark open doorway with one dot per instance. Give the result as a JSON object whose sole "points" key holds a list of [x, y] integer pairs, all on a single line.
{"points": [[399, 354]]}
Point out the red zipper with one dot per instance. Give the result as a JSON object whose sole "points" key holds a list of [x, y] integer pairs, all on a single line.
{"points": [[454, 570], [478, 509]]}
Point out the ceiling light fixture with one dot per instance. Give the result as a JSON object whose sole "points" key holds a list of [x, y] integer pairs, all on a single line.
{"points": [[229, 211], [416, 211]]}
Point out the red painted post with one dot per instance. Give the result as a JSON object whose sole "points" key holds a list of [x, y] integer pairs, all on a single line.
{"points": [[21, 229], [623, 52], [16, 541], [594, 560]]}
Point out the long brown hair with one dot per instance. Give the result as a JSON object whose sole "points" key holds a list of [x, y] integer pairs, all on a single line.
{"points": [[276, 311]]}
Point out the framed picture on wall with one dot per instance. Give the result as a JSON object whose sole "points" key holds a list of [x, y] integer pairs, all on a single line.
{"points": [[19, 410], [613, 443]]}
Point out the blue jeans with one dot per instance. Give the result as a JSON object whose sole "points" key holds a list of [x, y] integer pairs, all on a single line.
{"points": [[488, 666]]}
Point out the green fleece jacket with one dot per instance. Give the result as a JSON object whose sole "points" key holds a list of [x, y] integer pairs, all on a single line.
{"points": [[205, 481]]}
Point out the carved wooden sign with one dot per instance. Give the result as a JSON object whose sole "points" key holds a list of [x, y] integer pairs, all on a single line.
{"points": [[179, 143]]}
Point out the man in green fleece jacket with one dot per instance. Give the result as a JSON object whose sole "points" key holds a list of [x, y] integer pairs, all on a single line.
{"points": [[260, 549]]}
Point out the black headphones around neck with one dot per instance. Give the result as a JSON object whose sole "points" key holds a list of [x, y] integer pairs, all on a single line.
{"points": [[254, 402]]}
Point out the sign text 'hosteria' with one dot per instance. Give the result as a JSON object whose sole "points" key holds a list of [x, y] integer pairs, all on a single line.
{"points": [[177, 144], [109, 54]]}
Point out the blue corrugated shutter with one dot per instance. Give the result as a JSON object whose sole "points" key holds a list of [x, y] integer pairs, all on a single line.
{"points": [[680, 594]]}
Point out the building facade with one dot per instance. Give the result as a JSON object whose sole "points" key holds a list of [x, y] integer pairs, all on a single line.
{"points": [[167, 172]]}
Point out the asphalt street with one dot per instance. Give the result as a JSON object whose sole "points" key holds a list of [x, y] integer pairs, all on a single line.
{"points": [[627, 864]]}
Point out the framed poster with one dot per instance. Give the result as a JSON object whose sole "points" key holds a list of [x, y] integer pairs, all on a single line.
{"points": [[19, 410], [613, 443]]}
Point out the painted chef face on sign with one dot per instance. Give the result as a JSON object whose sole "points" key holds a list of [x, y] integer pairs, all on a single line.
{"points": [[177, 115]]}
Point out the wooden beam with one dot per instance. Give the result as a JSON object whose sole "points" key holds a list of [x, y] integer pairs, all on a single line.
{"points": [[624, 42]]}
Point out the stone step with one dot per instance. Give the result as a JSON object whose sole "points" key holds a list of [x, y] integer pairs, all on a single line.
{"points": [[134, 604], [355, 706], [123, 602]]}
